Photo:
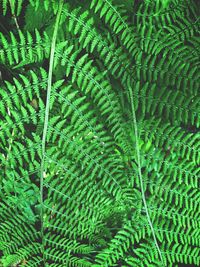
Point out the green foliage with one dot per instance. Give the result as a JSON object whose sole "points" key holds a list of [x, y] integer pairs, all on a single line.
{"points": [[99, 133]]}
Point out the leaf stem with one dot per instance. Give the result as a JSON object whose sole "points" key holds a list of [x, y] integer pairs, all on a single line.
{"points": [[13, 14], [140, 175], [46, 120]]}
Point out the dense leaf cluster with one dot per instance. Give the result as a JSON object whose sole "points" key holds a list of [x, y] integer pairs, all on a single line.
{"points": [[99, 133]]}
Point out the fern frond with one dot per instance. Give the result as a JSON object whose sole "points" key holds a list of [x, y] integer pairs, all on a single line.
{"points": [[14, 5], [24, 49], [117, 64], [99, 141], [173, 139], [113, 15], [164, 102]]}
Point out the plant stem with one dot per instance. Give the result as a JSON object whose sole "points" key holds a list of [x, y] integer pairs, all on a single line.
{"points": [[140, 174], [13, 14], [46, 120]]}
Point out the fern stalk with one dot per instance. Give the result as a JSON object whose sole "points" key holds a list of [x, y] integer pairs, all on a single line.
{"points": [[49, 85], [140, 175], [13, 14]]}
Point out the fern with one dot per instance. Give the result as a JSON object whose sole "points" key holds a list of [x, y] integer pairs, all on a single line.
{"points": [[99, 131]]}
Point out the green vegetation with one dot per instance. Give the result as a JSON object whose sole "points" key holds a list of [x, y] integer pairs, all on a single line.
{"points": [[99, 133]]}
